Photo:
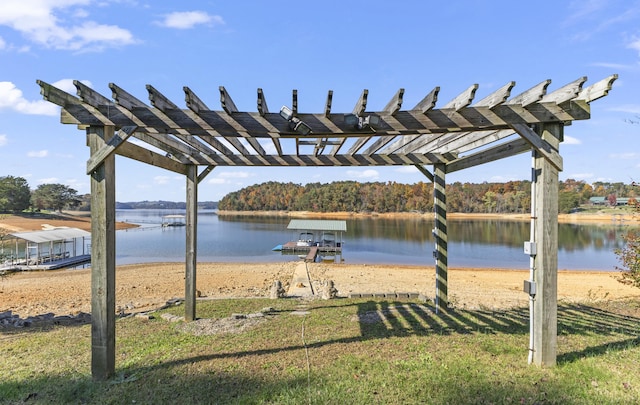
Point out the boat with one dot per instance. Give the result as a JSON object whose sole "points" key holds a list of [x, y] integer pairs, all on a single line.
{"points": [[173, 220]]}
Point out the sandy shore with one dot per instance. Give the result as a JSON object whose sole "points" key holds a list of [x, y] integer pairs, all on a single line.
{"points": [[148, 286]]}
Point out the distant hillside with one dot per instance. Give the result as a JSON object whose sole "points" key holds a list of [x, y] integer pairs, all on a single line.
{"points": [[158, 205]]}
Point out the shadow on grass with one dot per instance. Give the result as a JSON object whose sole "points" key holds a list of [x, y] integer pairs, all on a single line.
{"points": [[190, 380]]}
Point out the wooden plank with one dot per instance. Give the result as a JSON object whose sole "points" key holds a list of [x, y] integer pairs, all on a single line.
{"points": [[262, 103], [428, 102], [492, 154], [532, 95], [226, 102], [394, 105], [90, 96], [191, 245], [540, 145], [109, 148], [361, 104], [463, 99], [597, 90], [205, 173], [440, 235], [143, 155], [499, 96], [566, 92], [426, 172], [103, 259], [196, 105], [545, 306], [327, 105], [294, 102], [159, 100], [123, 98]]}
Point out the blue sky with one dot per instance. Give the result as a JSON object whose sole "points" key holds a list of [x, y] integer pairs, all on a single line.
{"points": [[344, 46]]}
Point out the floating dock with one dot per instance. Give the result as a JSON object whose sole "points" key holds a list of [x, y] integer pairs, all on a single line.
{"points": [[310, 252]]}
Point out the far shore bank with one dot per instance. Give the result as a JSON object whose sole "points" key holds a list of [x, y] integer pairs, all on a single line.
{"points": [[599, 218]]}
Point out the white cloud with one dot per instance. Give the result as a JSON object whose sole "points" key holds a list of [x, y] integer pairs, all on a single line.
{"points": [[234, 175], [363, 174], [161, 179], [569, 140], [48, 180], [627, 108], [406, 169], [11, 98], [216, 180], [3, 139], [624, 155], [3, 44], [61, 24], [580, 176], [38, 153], [188, 19]]}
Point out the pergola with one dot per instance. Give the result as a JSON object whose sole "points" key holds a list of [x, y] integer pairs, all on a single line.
{"points": [[459, 135]]}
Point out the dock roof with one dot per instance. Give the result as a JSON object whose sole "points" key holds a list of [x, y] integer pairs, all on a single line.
{"points": [[52, 235], [318, 225]]}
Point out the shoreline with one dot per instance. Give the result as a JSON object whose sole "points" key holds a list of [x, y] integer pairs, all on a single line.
{"points": [[596, 218]]}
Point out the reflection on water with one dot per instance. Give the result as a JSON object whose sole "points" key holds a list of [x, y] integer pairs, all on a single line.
{"points": [[474, 243]]}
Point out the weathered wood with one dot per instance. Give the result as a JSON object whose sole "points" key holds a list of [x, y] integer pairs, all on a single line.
{"points": [[463, 99], [440, 236], [426, 172], [226, 102], [394, 105], [492, 154], [545, 317], [191, 227], [294, 102], [533, 95], [262, 103], [566, 92], [103, 258], [499, 96], [428, 102], [144, 155], [327, 105], [159, 100], [125, 99], [540, 145], [597, 90], [114, 143], [205, 173]]}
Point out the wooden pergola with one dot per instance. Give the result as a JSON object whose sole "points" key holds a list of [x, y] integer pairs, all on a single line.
{"points": [[459, 135]]}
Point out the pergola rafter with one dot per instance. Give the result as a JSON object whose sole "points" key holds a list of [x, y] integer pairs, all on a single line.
{"points": [[459, 135]]}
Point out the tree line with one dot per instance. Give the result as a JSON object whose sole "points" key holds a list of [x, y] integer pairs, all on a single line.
{"points": [[17, 196], [351, 196]]}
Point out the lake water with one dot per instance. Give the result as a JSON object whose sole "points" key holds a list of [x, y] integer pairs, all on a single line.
{"points": [[472, 243]]}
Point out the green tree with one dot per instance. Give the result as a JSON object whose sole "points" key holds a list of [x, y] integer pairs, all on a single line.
{"points": [[54, 197], [14, 194], [568, 201]]}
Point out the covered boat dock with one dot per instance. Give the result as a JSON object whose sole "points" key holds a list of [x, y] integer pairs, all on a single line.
{"points": [[50, 249], [315, 238]]}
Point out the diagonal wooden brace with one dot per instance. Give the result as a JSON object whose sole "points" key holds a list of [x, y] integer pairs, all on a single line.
{"points": [[110, 147], [539, 144]]}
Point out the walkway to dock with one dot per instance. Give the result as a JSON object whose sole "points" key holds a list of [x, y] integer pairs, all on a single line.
{"points": [[300, 283]]}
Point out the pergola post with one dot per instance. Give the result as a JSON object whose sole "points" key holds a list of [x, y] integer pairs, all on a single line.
{"points": [[440, 234], [191, 243], [545, 317], [103, 258]]}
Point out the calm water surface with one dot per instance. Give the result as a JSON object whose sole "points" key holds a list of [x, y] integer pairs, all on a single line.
{"points": [[476, 243]]}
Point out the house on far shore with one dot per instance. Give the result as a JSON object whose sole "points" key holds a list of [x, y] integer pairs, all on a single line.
{"points": [[605, 201], [49, 249]]}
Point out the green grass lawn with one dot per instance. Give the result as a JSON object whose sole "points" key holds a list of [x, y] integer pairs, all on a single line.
{"points": [[342, 352]]}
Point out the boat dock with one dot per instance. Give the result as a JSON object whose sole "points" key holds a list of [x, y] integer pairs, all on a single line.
{"points": [[54, 264], [310, 252]]}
